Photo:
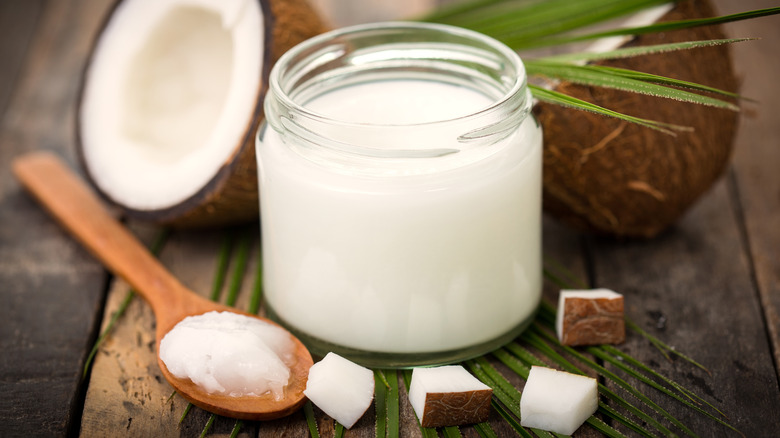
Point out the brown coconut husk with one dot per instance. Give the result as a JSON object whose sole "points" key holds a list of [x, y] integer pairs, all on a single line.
{"points": [[231, 196], [616, 178]]}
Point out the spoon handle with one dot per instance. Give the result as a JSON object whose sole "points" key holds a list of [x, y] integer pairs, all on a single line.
{"points": [[71, 202]]}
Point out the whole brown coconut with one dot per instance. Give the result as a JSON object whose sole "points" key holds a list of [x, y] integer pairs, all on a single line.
{"points": [[616, 178], [230, 194]]}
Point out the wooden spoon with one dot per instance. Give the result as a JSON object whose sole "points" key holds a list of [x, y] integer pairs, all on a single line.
{"points": [[77, 208]]}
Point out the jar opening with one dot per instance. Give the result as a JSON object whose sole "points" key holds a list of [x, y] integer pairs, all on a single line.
{"points": [[384, 90]]}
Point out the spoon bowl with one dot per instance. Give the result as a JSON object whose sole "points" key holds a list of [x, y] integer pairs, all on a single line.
{"points": [[75, 206]]}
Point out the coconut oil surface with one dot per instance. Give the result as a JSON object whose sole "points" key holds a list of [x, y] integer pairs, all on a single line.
{"points": [[416, 249], [229, 354]]}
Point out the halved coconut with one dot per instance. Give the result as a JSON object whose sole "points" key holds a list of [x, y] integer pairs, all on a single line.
{"points": [[171, 98], [615, 178]]}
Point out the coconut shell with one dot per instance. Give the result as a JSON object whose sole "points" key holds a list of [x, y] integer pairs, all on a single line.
{"points": [[592, 321], [231, 196], [616, 178], [455, 408]]}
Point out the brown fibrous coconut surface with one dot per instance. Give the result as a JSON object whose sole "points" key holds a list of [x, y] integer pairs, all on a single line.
{"points": [[616, 178], [456, 408], [592, 321]]}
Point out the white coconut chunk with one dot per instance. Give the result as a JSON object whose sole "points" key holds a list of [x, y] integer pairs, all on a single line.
{"points": [[448, 396], [341, 388], [590, 317], [557, 401], [169, 93]]}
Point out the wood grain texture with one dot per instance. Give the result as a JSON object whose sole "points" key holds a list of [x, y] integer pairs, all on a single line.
{"points": [[18, 19], [51, 290], [77, 208], [710, 286], [692, 288], [755, 181]]}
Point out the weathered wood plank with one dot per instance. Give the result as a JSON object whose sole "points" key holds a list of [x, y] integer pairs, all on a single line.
{"points": [[703, 287], [757, 157], [18, 19], [127, 391], [51, 289], [708, 288], [128, 397], [692, 289]]}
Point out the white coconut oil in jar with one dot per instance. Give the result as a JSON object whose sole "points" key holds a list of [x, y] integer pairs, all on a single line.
{"points": [[400, 194]]}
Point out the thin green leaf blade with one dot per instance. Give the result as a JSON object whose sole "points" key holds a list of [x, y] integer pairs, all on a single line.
{"points": [[485, 431], [239, 269], [380, 404], [184, 414], [237, 426], [339, 430], [502, 389], [648, 77], [222, 266], [208, 425], [663, 347], [601, 354], [520, 23], [451, 432], [621, 79], [257, 288], [630, 52], [393, 404], [661, 27], [311, 421], [554, 97], [512, 421]]}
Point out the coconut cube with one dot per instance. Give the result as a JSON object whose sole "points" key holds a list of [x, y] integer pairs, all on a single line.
{"points": [[448, 396], [341, 388], [557, 401], [590, 317]]}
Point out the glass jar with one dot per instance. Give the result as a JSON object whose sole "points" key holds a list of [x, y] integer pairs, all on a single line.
{"points": [[400, 194]]}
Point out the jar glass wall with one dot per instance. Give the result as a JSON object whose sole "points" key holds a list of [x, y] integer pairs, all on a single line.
{"points": [[400, 194]]}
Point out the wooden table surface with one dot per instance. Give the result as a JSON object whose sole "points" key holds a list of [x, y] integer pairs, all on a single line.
{"points": [[710, 287]]}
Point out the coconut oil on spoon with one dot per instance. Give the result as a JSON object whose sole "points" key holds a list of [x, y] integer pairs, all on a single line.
{"points": [[69, 200]]}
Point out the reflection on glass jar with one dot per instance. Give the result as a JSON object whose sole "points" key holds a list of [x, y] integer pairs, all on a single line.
{"points": [[400, 194]]}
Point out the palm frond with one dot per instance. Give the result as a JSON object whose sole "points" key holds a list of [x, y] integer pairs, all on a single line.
{"points": [[529, 24], [666, 26], [562, 99], [629, 52], [626, 80]]}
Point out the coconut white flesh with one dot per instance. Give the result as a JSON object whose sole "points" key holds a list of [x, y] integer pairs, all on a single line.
{"points": [[589, 294], [230, 354], [341, 388], [168, 96], [449, 378], [557, 401]]}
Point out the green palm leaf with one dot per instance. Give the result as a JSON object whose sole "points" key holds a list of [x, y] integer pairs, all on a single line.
{"points": [[659, 27], [626, 80], [527, 24], [380, 403], [528, 21], [562, 99], [629, 52]]}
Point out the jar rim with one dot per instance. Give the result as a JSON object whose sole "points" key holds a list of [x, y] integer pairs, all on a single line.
{"points": [[276, 75]]}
